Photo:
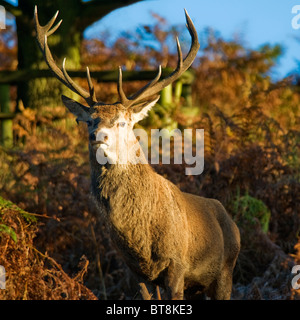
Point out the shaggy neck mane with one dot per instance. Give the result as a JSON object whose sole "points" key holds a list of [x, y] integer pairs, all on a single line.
{"points": [[125, 187], [126, 180]]}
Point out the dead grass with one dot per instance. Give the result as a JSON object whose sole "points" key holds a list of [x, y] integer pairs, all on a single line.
{"points": [[252, 139], [30, 274], [69, 249]]}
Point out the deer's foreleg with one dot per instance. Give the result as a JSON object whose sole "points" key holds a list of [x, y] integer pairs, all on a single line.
{"points": [[174, 282]]}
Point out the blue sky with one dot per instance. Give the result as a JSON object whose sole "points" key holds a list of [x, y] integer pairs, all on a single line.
{"points": [[258, 21]]}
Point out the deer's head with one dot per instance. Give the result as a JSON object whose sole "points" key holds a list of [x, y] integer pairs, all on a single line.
{"points": [[110, 126]]}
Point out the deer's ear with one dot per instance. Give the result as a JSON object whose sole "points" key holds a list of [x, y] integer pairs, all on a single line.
{"points": [[80, 111], [140, 111]]}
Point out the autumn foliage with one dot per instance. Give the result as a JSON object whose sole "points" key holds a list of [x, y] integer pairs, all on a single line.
{"points": [[252, 162]]}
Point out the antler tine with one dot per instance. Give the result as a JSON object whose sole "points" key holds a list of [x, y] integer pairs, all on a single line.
{"points": [[90, 83], [138, 94], [154, 86], [195, 44], [42, 34], [179, 52], [78, 89], [51, 63], [54, 28], [43, 31], [121, 93]]}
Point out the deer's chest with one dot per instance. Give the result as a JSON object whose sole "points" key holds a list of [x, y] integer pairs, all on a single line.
{"points": [[133, 240]]}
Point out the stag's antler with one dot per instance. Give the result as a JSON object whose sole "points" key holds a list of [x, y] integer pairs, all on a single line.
{"points": [[43, 32], [155, 86], [150, 89]]}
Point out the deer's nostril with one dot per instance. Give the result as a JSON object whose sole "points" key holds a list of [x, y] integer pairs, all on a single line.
{"points": [[102, 136]]}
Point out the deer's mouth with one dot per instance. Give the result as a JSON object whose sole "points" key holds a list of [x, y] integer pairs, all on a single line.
{"points": [[97, 144]]}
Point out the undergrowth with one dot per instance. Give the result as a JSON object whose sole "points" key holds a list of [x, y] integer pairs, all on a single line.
{"points": [[256, 184], [252, 165], [29, 273]]}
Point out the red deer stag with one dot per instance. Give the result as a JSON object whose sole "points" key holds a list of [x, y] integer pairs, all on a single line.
{"points": [[179, 241]]}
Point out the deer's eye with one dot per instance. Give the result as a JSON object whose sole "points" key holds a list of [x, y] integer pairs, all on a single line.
{"points": [[122, 124]]}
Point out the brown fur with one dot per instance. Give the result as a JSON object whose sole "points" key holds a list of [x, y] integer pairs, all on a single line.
{"points": [[183, 242], [178, 240], [174, 239]]}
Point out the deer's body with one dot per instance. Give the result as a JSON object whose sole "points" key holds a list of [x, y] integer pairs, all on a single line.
{"points": [[167, 236], [177, 240]]}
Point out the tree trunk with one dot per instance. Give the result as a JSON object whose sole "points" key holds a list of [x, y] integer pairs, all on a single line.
{"points": [[65, 42], [6, 125], [76, 15]]}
